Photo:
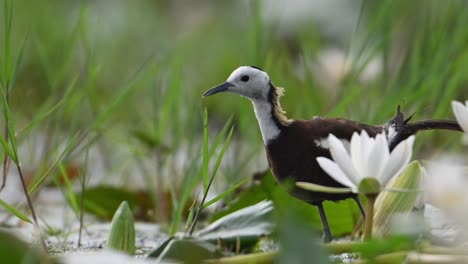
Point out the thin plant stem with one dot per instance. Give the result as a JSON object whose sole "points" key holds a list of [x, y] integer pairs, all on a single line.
{"points": [[6, 164], [7, 84], [31, 208], [6, 159], [161, 205], [48, 141], [369, 221], [199, 209], [82, 198], [207, 188]]}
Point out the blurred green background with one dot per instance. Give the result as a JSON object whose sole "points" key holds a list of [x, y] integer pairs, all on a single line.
{"points": [[126, 77], [357, 59]]}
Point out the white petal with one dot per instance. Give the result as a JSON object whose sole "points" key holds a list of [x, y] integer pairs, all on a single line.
{"points": [[398, 160], [356, 151], [346, 144], [461, 114], [360, 143], [342, 159], [335, 172], [378, 157]]}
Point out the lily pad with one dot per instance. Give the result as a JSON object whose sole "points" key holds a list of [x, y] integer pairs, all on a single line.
{"points": [[186, 250], [246, 225], [258, 190]]}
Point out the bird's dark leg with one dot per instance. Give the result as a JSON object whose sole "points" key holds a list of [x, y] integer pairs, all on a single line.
{"points": [[361, 208], [327, 235]]}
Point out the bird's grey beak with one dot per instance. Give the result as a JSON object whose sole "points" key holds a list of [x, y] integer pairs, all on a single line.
{"points": [[218, 89]]}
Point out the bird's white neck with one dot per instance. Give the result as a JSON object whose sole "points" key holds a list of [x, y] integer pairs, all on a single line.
{"points": [[268, 126]]}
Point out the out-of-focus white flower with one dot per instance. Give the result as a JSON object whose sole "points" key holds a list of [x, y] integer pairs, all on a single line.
{"points": [[461, 114], [368, 158], [332, 65], [104, 257], [446, 184], [336, 18], [465, 139]]}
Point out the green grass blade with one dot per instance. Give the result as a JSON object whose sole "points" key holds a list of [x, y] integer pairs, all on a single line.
{"points": [[45, 112], [11, 128], [12, 152], [191, 180], [191, 214], [68, 188], [218, 161], [219, 137], [7, 52], [43, 177], [205, 149], [193, 176], [7, 148], [166, 110], [125, 93], [213, 174], [226, 193], [19, 59], [14, 211]]}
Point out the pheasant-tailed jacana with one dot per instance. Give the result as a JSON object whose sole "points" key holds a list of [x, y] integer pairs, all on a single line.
{"points": [[292, 146]]}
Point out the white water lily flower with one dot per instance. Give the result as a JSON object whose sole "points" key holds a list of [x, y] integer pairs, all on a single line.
{"points": [[461, 114], [445, 184], [368, 158]]}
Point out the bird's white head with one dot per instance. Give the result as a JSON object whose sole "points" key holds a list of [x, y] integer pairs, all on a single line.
{"points": [[247, 81]]}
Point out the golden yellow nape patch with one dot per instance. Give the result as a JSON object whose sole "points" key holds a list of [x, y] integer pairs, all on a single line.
{"points": [[278, 111], [279, 91]]}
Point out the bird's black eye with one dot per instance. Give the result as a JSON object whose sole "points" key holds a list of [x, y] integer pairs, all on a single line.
{"points": [[245, 78]]}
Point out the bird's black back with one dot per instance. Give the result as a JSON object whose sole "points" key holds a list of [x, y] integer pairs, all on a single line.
{"points": [[292, 155]]}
